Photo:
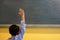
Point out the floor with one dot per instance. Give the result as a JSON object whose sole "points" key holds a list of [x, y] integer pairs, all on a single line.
{"points": [[34, 34]]}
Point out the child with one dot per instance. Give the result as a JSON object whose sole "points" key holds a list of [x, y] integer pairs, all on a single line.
{"points": [[16, 31]]}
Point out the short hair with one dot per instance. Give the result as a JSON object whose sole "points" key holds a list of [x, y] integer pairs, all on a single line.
{"points": [[14, 30]]}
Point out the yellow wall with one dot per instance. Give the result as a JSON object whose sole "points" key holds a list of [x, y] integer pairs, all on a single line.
{"points": [[34, 34]]}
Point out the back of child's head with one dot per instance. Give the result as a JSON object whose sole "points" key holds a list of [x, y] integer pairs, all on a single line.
{"points": [[14, 30]]}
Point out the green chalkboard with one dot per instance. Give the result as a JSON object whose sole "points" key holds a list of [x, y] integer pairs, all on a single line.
{"points": [[36, 11]]}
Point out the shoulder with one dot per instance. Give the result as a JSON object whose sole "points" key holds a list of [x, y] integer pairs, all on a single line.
{"points": [[18, 37], [9, 39], [12, 38]]}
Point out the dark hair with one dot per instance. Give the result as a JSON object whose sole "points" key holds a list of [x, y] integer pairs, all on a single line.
{"points": [[14, 30]]}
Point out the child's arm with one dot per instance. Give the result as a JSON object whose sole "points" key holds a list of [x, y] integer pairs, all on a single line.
{"points": [[23, 25]]}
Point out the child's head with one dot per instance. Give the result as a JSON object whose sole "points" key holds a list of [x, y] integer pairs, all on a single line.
{"points": [[14, 30]]}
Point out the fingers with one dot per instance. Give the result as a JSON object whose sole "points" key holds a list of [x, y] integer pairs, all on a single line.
{"points": [[21, 12]]}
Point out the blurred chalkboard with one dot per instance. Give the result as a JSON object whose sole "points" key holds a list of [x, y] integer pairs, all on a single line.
{"points": [[36, 11]]}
